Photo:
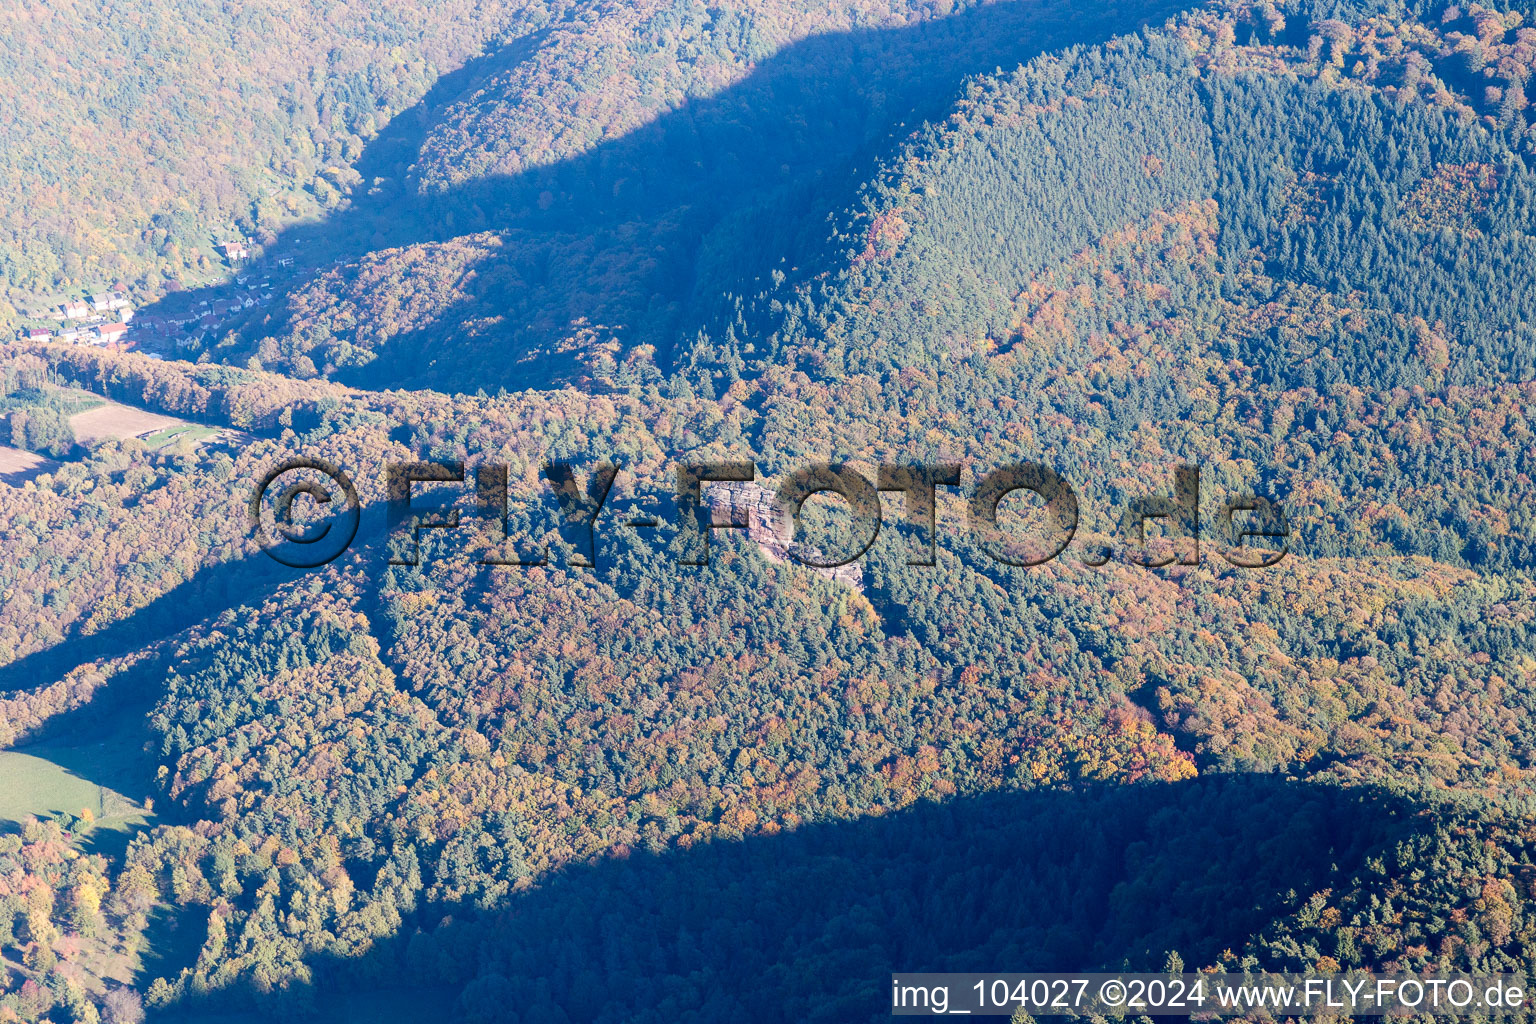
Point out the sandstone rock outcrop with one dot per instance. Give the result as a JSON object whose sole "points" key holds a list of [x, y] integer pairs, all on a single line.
{"points": [[752, 506]]}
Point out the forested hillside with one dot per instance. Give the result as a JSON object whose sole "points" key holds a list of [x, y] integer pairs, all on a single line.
{"points": [[140, 137], [143, 139], [1291, 244]]}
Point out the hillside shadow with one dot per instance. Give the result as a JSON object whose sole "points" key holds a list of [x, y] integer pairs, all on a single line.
{"points": [[809, 925], [643, 233], [212, 591]]}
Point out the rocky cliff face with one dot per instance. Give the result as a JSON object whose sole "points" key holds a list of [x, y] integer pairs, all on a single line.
{"points": [[752, 506]]}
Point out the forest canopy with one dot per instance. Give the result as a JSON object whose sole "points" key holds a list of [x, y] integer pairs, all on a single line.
{"points": [[1290, 244]]}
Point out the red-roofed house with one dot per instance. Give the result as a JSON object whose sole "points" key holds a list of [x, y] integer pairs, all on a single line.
{"points": [[235, 250], [39, 334], [75, 309], [110, 334]]}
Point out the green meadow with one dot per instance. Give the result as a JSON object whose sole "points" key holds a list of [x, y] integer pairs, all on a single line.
{"points": [[49, 778]]}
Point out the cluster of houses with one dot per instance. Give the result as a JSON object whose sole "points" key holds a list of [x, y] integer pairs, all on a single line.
{"points": [[239, 251], [100, 320], [104, 318], [111, 335], [195, 324]]}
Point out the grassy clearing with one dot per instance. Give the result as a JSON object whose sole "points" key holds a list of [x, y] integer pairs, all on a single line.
{"points": [[49, 778], [69, 776], [33, 786], [192, 433]]}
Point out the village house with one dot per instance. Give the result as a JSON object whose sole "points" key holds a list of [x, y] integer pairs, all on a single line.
{"points": [[235, 250], [70, 336], [39, 334], [74, 309], [111, 334]]}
